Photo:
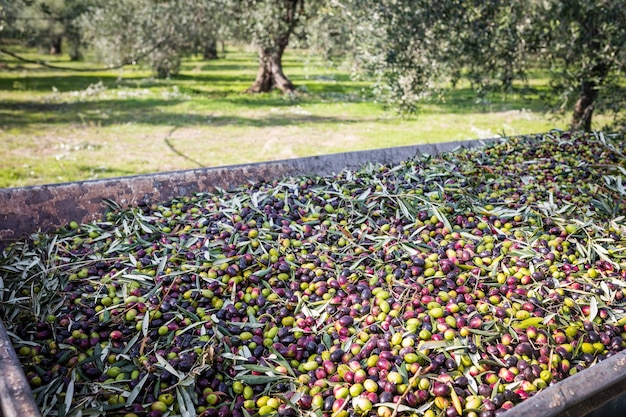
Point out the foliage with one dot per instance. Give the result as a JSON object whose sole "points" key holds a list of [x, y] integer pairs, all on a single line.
{"points": [[8, 14], [412, 48], [327, 33], [261, 22], [490, 43], [585, 44], [121, 30], [394, 42], [45, 23], [270, 26], [162, 32]]}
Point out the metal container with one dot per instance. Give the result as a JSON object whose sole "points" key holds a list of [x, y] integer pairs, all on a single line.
{"points": [[27, 210], [16, 398], [598, 391]]}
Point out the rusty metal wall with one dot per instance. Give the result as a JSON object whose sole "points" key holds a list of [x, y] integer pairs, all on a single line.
{"points": [[16, 398], [30, 209], [26, 210], [588, 393]]}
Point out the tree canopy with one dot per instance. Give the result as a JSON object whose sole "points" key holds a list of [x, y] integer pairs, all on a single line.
{"points": [[585, 45], [413, 47], [44, 23], [161, 32], [269, 26]]}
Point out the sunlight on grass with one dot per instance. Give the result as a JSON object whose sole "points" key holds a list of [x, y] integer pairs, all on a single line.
{"points": [[58, 126]]}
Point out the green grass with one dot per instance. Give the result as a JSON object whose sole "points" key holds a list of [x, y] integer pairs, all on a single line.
{"points": [[58, 126]]}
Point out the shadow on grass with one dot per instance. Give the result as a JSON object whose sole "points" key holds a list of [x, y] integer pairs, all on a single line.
{"points": [[466, 101], [90, 170], [212, 84], [154, 111], [221, 82], [244, 66], [145, 111], [61, 82]]}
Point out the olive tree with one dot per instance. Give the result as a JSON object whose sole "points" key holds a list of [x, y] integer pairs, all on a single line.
{"points": [[392, 42], [159, 32], [47, 24], [585, 43], [490, 42], [164, 31], [413, 47], [269, 25], [8, 14]]}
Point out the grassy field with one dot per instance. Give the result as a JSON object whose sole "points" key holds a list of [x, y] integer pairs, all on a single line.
{"points": [[59, 126]]}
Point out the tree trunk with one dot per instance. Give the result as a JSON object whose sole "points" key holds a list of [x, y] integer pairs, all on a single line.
{"points": [[75, 53], [73, 47], [210, 50], [74, 43], [271, 74], [583, 109], [55, 46]]}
